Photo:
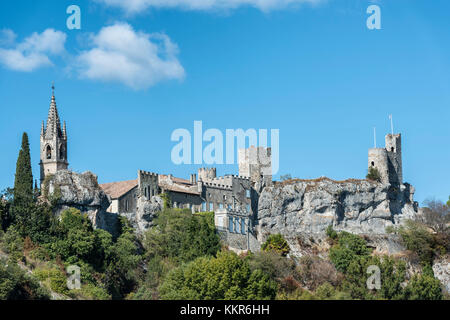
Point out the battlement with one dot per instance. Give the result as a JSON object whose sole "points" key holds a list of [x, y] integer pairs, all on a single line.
{"points": [[147, 174], [205, 174]]}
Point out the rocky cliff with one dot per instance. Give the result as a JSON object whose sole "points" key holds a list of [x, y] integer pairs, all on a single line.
{"points": [[81, 191], [301, 210], [142, 219]]}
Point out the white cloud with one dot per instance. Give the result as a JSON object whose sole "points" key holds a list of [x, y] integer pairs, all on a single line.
{"points": [[134, 6], [137, 59], [33, 52]]}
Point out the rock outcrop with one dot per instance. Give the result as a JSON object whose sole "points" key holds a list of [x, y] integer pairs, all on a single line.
{"points": [[142, 219], [301, 210], [81, 191], [441, 269]]}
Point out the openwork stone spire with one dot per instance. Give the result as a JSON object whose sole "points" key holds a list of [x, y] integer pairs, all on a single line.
{"points": [[53, 121]]}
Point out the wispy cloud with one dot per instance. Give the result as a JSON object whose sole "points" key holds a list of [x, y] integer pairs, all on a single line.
{"points": [[34, 52], [136, 59], [135, 6]]}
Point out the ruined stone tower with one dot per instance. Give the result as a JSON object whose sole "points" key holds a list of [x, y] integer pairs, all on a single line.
{"points": [[53, 143], [256, 164], [388, 160]]}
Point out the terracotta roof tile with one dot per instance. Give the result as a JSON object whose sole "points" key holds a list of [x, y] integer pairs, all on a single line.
{"points": [[117, 189]]}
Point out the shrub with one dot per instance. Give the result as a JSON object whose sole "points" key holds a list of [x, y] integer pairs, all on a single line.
{"points": [[373, 174], [181, 236], [225, 277], [92, 292], [15, 284], [424, 287], [349, 247], [419, 240], [54, 278], [276, 243], [331, 233]]}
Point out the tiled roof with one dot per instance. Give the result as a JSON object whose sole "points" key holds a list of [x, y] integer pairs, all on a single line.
{"points": [[178, 188], [177, 185], [117, 189], [175, 179]]}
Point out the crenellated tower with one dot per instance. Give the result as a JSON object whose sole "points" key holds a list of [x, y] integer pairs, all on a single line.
{"points": [[53, 142]]}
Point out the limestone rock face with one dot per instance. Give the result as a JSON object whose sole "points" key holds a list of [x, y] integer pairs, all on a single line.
{"points": [[301, 210], [81, 191], [441, 269], [146, 211]]}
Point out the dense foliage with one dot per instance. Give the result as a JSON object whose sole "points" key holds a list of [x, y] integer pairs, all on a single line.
{"points": [[225, 277], [276, 242]]}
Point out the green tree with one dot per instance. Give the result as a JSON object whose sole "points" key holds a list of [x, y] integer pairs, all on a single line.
{"points": [[23, 187], [418, 239], [181, 236], [23, 184], [276, 242], [15, 284], [124, 259], [347, 250], [424, 287], [225, 277]]}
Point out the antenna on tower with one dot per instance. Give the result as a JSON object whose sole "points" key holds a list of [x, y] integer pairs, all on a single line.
{"points": [[375, 137], [392, 124], [53, 88]]}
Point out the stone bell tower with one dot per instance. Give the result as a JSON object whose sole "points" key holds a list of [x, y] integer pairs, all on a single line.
{"points": [[53, 142]]}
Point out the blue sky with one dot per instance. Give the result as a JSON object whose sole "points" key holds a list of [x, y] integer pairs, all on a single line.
{"points": [[312, 70]]}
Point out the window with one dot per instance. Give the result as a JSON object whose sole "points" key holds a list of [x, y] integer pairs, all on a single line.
{"points": [[220, 205], [61, 152], [126, 205], [203, 206], [229, 207], [49, 152], [248, 207], [373, 164], [237, 226], [242, 225], [211, 206], [247, 193], [230, 224], [145, 192], [392, 149]]}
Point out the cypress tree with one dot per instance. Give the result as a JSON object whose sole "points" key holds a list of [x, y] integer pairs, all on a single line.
{"points": [[23, 184]]}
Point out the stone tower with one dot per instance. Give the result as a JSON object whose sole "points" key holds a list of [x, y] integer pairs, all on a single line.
{"points": [[256, 164], [388, 160], [53, 143], [207, 174]]}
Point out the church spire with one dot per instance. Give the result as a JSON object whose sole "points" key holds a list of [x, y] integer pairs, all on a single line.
{"points": [[53, 122]]}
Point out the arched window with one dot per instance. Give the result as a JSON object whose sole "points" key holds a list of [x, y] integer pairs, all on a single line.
{"points": [[392, 149], [49, 152], [373, 164]]}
